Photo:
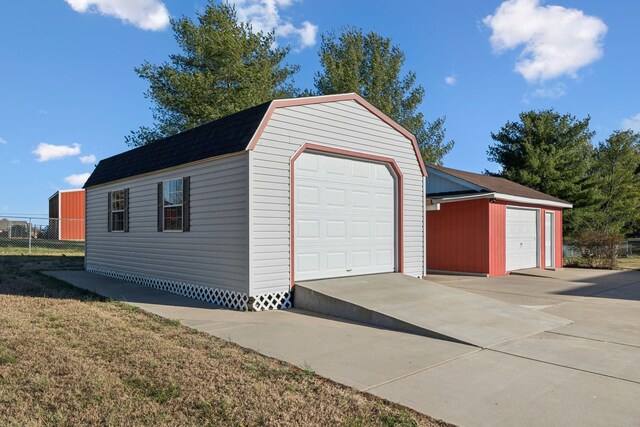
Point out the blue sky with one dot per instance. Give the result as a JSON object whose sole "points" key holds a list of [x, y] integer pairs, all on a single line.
{"points": [[69, 93]]}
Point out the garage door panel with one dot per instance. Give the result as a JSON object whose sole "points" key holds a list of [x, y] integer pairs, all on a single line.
{"points": [[308, 229], [336, 261], [345, 226], [521, 239]]}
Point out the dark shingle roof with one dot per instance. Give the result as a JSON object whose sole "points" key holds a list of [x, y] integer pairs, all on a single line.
{"points": [[496, 184], [227, 135]]}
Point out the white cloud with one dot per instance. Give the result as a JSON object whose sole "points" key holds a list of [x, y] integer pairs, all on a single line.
{"points": [[145, 14], [87, 159], [450, 80], [77, 180], [556, 40], [264, 15], [632, 123], [15, 161], [46, 152], [552, 92], [2, 141]]}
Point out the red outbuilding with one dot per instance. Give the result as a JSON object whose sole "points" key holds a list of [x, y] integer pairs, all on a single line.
{"points": [[490, 226], [66, 215]]}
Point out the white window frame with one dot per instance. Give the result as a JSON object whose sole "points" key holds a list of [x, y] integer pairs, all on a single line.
{"points": [[113, 211], [180, 205]]}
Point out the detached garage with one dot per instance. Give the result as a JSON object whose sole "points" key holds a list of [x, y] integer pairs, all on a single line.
{"points": [[238, 210], [66, 215], [488, 225]]}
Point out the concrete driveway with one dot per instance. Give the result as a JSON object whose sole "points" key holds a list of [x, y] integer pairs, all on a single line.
{"points": [[585, 373]]}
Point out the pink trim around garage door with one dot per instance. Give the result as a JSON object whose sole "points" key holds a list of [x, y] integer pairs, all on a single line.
{"points": [[353, 154], [334, 98]]}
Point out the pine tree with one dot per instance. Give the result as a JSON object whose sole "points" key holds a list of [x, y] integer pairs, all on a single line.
{"points": [[369, 65], [223, 67]]}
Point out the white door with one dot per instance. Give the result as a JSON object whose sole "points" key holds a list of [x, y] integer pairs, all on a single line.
{"points": [[548, 239], [522, 238], [344, 217]]}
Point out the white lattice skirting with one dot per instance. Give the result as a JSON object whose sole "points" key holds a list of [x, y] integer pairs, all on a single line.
{"points": [[235, 300]]}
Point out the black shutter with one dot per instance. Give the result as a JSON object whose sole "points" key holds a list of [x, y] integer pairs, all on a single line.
{"points": [[160, 206], [109, 211], [126, 210], [186, 203]]}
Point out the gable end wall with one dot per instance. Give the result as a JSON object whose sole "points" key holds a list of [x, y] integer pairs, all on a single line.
{"points": [[344, 125]]}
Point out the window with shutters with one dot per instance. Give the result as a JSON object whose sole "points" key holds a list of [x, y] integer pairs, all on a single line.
{"points": [[118, 209], [172, 205]]}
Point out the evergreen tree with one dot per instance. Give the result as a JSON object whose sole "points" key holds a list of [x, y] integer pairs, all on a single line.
{"points": [[223, 67], [369, 65], [549, 152], [616, 174]]}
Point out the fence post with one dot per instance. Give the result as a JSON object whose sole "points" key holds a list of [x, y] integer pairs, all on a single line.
{"points": [[29, 236]]}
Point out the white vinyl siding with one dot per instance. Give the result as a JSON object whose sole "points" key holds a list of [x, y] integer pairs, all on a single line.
{"points": [[214, 253], [345, 125]]}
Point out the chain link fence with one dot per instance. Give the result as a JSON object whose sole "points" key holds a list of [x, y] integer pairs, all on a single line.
{"points": [[627, 249], [33, 235]]}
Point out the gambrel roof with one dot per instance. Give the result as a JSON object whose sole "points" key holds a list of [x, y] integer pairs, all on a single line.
{"points": [[231, 134]]}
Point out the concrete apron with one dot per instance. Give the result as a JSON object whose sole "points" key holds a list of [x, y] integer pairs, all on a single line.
{"points": [[400, 302], [546, 379]]}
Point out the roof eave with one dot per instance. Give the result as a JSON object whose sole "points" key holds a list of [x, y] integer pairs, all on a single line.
{"points": [[502, 196]]}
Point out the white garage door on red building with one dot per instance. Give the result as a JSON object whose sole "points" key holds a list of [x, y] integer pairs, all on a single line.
{"points": [[522, 238], [345, 217]]}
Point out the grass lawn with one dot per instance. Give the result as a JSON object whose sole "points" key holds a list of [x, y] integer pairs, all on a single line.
{"points": [[41, 247], [631, 262], [68, 357], [623, 263]]}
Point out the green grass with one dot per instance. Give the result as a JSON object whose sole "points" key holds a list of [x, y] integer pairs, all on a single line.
{"points": [[631, 262], [20, 246], [6, 357]]}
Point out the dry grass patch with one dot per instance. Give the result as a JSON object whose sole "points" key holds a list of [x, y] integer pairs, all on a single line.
{"points": [[630, 262], [68, 357]]}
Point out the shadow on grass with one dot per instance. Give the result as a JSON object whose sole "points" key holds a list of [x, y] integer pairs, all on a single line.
{"points": [[21, 275]]}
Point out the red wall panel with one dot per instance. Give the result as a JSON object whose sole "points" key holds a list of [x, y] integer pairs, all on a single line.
{"points": [[457, 237], [559, 237], [72, 221], [497, 239], [471, 236], [498, 235]]}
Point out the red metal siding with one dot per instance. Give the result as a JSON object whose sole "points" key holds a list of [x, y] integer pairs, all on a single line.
{"points": [[72, 221], [497, 239], [499, 255], [457, 237], [559, 237], [471, 236]]}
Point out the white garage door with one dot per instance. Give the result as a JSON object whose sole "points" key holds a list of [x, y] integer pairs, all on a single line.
{"points": [[522, 239], [344, 217]]}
